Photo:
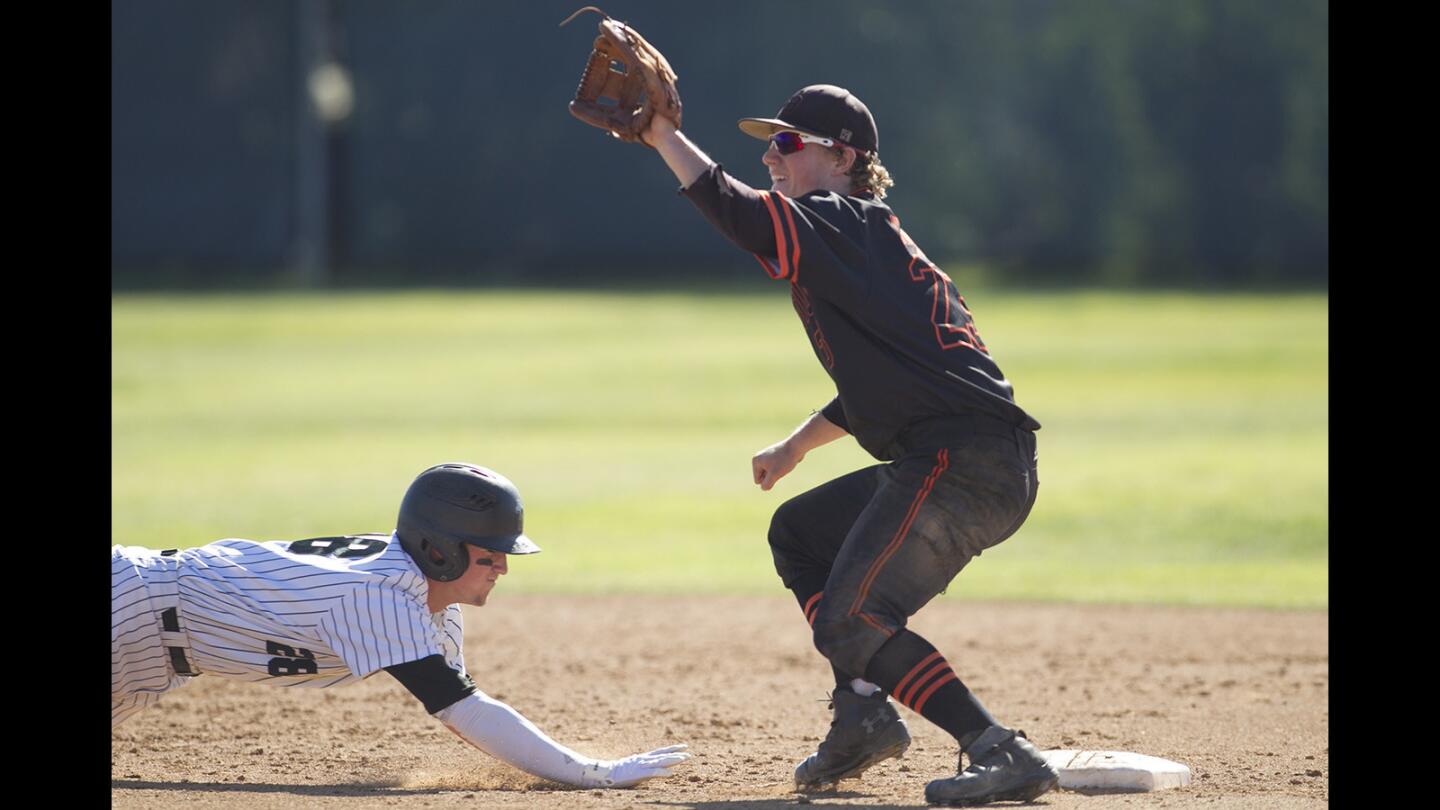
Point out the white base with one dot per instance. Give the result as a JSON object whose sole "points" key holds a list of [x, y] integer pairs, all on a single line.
{"points": [[1115, 770]]}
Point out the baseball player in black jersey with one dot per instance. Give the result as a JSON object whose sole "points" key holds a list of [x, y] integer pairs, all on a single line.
{"points": [[919, 390], [332, 610]]}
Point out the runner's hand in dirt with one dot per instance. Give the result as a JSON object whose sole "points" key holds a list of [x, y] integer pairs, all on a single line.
{"points": [[636, 768]]}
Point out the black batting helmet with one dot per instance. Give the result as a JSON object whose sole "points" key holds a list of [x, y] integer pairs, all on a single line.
{"points": [[451, 505]]}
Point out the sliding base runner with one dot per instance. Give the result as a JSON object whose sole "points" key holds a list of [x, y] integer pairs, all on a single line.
{"points": [[328, 611]]}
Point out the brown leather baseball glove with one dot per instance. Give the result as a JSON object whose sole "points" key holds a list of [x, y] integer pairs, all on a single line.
{"points": [[626, 82]]}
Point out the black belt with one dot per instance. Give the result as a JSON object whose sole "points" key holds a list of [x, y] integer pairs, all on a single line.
{"points": [[170, 622]]}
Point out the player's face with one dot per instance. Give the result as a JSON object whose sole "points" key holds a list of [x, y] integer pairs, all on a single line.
{"points": [[478, 581], [809, 169]]}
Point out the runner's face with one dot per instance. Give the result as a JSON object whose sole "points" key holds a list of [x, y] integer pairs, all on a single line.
{"points": [[479, 579]]}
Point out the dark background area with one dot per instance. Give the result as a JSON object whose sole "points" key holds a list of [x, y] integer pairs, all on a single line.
{"points": [[1091, 141]]}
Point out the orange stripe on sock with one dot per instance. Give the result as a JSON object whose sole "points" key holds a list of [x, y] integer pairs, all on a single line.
{"points": [[942, 462], [940, 666], [900, 687], [920, 704]]}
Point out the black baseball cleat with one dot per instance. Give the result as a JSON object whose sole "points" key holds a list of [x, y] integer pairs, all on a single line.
{"points": [[865, 731], [1004, 767]]}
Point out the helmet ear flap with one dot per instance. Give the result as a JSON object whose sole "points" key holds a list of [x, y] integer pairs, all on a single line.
{"points": [[440, 561]]}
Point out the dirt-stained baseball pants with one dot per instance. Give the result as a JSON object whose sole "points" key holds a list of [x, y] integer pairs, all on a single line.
{"points": [[866, 551]]}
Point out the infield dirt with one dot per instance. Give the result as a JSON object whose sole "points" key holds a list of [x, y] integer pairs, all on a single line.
{"points": [[1240, 696]]}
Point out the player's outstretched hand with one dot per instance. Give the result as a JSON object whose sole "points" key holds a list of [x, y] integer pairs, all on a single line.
{"points": [[636, 768]]}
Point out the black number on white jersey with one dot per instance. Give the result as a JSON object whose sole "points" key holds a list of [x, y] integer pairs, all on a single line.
{"points": [[348, 547], [289, 660]]}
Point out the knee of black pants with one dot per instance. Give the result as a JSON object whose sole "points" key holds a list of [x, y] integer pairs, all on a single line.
{"points": [[786, 545], [848, 643]]}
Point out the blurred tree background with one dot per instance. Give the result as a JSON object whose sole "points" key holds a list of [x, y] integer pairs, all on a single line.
{"points": [[331, 143]]}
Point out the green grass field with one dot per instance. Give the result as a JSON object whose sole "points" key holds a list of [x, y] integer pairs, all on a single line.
{"points": [[1184, 455]]}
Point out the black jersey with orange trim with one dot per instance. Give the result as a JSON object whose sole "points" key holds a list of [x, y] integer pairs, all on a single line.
{"points": [[886, 323]]}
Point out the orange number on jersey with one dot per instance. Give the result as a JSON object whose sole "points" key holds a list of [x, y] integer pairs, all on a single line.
{"points": [[953, 324]]}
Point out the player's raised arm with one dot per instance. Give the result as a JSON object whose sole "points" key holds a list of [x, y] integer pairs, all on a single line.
{"points": [[683, 157]]}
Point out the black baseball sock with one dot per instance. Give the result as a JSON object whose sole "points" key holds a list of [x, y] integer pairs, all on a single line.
{"points": [[917, 675], [842, 681]]}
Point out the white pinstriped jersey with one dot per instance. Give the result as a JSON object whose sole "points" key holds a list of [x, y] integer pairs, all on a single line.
{"points": [[311, 613]]}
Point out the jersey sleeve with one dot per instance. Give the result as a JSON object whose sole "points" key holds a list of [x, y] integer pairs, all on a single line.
{"points": [[735, 209], [433, 681], [835, 413], [376, 626], [821, 226], [762, 222]]}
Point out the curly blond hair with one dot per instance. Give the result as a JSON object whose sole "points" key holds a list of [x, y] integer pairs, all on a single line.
{"points": [[867, 173]]}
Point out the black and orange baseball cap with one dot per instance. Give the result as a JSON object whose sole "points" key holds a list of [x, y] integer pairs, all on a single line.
{"points": [[824, 110]]}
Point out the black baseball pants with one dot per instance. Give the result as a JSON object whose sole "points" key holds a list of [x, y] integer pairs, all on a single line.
{"points": [[866, 551]]}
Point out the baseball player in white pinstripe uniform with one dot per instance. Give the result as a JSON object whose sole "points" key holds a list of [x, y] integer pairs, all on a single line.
{"points": [[333, 610]]}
